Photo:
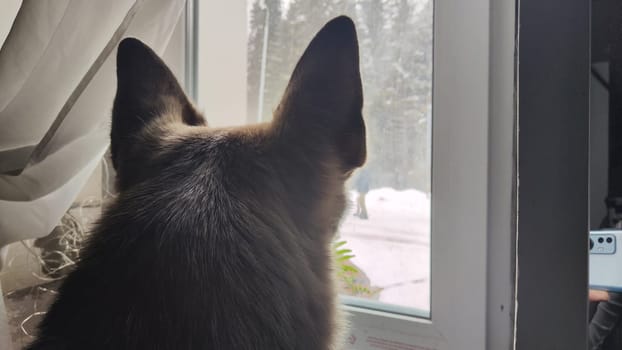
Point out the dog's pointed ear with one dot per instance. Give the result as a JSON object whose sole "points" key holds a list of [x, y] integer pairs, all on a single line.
{"points": [[324, 96], [146, 90]]}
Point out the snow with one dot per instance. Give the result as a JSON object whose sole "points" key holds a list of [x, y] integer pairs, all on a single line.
{"points": [[392, 247]]}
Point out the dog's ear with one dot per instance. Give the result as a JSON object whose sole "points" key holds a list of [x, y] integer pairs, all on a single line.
{"points": [[324, 97], [146, 90]]}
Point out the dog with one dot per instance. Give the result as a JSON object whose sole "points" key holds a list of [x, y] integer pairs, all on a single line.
{"points": [[219, 238]]}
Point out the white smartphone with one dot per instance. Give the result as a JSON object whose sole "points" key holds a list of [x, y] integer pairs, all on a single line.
{"points": [[606, 260]]}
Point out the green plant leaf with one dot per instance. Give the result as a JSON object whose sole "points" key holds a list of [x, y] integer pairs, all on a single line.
{"points": [[345, 257], [344, 251], [349, 268], [339, 244]]}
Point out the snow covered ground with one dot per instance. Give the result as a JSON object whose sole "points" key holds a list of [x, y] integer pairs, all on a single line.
{"points": [[393, 246]]}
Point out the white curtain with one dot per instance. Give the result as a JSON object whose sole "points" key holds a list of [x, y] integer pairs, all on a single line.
{"points": [[57, 83]]}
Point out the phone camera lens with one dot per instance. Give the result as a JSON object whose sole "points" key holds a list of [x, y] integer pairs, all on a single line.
{"points": [[591, 244], [601, 240], [609, 240]]}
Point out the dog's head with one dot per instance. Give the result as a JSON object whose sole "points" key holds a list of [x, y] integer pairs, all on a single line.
{"points": [[316, 138]]}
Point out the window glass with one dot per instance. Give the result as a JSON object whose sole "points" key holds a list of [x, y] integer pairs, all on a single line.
{"points": [[383, 245]]}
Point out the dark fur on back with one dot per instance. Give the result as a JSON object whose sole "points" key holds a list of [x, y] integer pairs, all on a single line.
{"points": [[219, 238]]}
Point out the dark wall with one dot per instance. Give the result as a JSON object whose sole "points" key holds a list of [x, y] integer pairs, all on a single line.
{"points": [[602, 13], [553, 138]]}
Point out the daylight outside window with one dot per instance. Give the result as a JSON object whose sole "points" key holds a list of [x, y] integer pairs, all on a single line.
{"points": [[383, 244]]}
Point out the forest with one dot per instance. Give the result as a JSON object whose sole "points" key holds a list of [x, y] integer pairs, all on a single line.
{"points": [[395, 44]]}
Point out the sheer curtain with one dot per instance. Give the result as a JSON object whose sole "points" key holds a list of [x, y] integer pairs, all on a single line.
{"points": [[57, 83], [57, 79]]}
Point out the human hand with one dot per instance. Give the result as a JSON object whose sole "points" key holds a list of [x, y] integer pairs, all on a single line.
{"points": [[598, 295]]}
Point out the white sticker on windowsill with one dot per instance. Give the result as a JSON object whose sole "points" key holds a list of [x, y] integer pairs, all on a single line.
{"points": [[374, 339]]}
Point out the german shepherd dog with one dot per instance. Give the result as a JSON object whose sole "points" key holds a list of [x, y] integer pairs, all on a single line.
{"points": [[220, 238]]}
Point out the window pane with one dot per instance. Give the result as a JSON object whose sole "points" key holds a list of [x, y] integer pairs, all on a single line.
{"points": [[384, 241]]}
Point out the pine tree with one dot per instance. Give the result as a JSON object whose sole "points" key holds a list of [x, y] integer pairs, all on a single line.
{"points": [[395, 41], [253, 63], [275, 80], [408, 93], [261, 11], [372, 32], [396, 51], [423, 39]]}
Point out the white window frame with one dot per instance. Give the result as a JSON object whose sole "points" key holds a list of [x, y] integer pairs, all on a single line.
{"points": [[473, 168]]}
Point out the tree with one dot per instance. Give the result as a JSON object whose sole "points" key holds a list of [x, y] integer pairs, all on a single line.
{"points": [[270, 10], [395, 41], [253, 63]]}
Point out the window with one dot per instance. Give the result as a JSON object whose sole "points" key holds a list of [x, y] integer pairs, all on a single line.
{"points": [[433, 195], [383, 243]]}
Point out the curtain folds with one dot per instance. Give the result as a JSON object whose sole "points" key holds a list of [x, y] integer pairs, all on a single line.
{"points": [[57, 79]]}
